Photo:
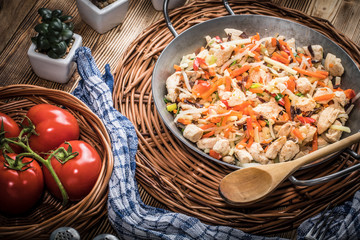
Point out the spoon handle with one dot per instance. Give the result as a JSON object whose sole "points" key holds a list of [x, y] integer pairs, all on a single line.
{"points": [[322, 152]]}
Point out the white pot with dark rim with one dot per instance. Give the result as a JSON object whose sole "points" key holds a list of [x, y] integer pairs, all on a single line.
{"points": [[102, 20], [56, 70]]}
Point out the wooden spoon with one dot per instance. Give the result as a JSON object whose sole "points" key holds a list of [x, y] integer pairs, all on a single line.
{"points": [[249, 185]]}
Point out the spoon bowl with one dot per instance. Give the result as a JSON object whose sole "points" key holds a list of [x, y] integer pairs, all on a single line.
{"points": [[248, 185]]}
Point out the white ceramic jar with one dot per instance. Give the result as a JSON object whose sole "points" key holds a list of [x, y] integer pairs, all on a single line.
{"points": [[102, 20], [158, 4], [56, 70]]}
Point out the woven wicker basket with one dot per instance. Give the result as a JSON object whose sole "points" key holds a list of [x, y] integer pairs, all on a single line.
{"points": [[183, 181], [49, 214]]}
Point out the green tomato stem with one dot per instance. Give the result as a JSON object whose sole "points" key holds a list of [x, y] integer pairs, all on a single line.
{"points": [[47, 164]]}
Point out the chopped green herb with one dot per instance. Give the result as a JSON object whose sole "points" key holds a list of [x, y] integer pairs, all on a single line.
{"points": [[278, 97], [299, 94], [256, 85], [242, 46], [233, 63], [166, 101], [171, 107], [267, 122]]}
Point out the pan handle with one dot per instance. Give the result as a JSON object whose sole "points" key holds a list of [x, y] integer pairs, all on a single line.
{"points": [[327, 178], [228, 8], [168, 20]]}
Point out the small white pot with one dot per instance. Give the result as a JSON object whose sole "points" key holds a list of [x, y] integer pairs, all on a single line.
{"points": [[158, 4], [56, 70], [102, 20]]}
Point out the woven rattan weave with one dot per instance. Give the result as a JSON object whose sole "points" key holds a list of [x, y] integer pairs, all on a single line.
{"points": [[49, 214], [186, 182]]}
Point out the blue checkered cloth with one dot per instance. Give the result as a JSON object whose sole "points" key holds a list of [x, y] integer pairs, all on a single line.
{"points": [[130, 217]]}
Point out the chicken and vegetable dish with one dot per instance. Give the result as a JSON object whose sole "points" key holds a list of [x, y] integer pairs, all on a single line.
{"points": [[246, 99]]}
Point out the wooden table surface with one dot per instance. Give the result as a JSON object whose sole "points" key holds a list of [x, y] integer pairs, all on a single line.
{"points": [[18, 17]]}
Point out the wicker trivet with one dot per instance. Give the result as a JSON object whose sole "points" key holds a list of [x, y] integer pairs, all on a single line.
{"points": [[186, 182]]}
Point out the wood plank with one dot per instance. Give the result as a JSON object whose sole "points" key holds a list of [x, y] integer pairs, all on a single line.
{"points": [[347, 19], [12, 13], [325, 9]]}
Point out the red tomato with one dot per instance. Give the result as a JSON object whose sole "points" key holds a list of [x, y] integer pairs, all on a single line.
{"points": [[20, 190], [10, 126], [201, 87], [11, 129], [54, 126], [78, 175]]}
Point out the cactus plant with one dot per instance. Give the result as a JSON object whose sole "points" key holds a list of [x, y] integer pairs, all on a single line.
{"points": [[55, 33]]}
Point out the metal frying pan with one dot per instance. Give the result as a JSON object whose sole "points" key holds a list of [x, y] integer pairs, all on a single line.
{"points": [[193, 38]]}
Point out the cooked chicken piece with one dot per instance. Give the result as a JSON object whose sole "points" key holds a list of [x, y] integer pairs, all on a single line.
{"points": [[299, 155], [222, 55], [234, 33], [333, 135], [193, 75], [304, 104], [322, 142], [291, 43], [275, 147], [243, 156], [303, 85], [308, 132], [207, 143], [258, 76], [315, 117], [270, 47], [288, 151], [341, 98], [171, 85], [318, 52], [236, 97], [229, 159], [321, 92], [265, 134], [326, 118], [203, 54], [285, 130], [268, 110], [193, 132], [222, 146], [333, 65], [184, 95], [257, 152]]}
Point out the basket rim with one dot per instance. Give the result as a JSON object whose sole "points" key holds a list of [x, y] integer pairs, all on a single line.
{"points": [[99, 191]]}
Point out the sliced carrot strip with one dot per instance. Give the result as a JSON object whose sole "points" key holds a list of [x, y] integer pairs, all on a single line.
{"points": [[273, 42], [291, 84], [324, 97], [242, 143], [214, 154], [298, 134], [250, 127], [209, 134], [177, 67], [315, 142], [184, 121], [308, 73], [251, 141], [239, 71], [349, 93], [210, 125], [256, 90], [227, 83], [287, 106]]}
